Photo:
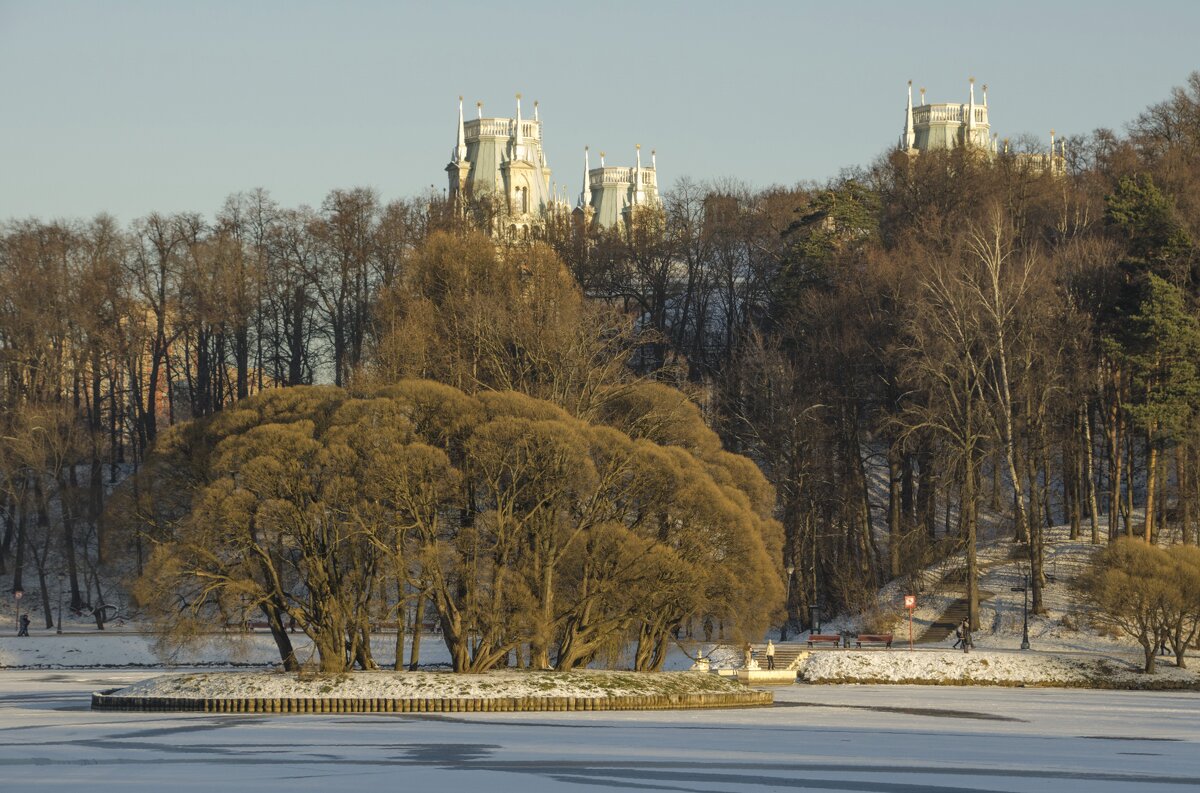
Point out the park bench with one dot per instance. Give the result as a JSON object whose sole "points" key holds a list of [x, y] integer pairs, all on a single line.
{"points": [[883, 639], [824, 638]]}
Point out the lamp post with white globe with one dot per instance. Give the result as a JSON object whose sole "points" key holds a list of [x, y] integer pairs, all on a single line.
{"points": [[17, 595]]}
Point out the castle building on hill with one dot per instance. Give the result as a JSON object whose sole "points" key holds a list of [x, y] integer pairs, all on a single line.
{"points": [[611, 193], [498, 164], [934, 127], [929, 127]]}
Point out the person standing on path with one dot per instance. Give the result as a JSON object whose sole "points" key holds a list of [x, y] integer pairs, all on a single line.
{"points": [[24, 629], [770, 654], [966, 634]]}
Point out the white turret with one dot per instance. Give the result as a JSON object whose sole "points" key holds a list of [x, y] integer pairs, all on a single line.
{"points": [[585, 195], [517, 154], [910, 136], [639, 196], [971, 113], [460, 150]]}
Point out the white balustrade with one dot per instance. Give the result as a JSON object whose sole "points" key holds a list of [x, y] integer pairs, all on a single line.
{"points": [[947, 114], [501, 128], [613, 174]]}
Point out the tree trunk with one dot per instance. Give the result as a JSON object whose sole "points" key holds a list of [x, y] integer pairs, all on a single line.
{"points": [[926, 494], [1129, 470], [1017, 470], [907, 506], [895, 523], [1151, 482], [1089, 474], [1184, 487], [68, 522], [46, 610], [283, 642], [1037, 570], [1114, 468], [241, 354], [1072, 485], [414, 654], [968, 514]]}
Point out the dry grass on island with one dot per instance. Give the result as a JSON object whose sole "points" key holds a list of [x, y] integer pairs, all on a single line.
{"points": [[433, 691]]}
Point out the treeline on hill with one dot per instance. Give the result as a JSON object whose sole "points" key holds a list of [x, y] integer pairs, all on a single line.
{"points": [[993, 338]]}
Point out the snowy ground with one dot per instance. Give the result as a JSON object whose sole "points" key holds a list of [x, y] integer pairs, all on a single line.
{"points": [[88, 649], [991, 669], [1064, 628], [901, 739]]}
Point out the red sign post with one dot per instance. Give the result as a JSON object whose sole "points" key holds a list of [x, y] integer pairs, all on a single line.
{"points": [[910, 603]]}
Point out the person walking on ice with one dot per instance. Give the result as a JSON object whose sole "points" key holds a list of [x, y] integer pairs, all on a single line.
{"points": [[770, 654]]}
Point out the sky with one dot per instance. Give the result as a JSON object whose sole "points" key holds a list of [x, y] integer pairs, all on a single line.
{"points": [[132, 107]]}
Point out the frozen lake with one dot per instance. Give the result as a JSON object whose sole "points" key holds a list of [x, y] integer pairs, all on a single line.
{"points": [[901, 739]]}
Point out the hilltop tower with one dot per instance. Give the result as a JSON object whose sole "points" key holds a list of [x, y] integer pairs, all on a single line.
{"points": [[929, 127], [611, 193], [500, 162]]}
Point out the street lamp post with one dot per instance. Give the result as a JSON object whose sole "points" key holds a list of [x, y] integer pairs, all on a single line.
{"points": [[787, 605], [61, 579], [1024, 590], [17, 595], [813, 609]]}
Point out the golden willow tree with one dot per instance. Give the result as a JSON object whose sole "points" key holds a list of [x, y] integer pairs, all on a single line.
{"points": [[536, 535]]}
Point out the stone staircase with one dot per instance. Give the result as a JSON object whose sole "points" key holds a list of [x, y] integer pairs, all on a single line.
{"points": [[788, 655], [943, 627]]}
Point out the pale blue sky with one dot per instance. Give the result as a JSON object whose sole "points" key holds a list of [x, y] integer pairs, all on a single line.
{"points": [[130, 107]]}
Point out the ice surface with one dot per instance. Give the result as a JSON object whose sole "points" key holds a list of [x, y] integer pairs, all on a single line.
{"points": [[902, 739]]}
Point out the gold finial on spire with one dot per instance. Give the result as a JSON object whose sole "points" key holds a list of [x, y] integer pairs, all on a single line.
{"points": [[985, 86], [910, 83], [637, 146], [971, 80], [518, 96]]}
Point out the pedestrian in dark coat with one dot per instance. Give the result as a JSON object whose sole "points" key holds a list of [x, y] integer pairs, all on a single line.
{"points": [[24, 629], [966, 634]]}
